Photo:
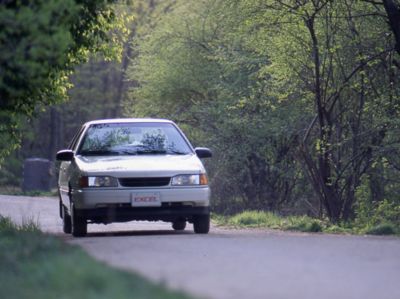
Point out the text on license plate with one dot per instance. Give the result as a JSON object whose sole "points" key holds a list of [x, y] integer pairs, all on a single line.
{"points": [[146, 199]]}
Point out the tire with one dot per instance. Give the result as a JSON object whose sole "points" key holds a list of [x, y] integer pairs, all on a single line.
{"points": [[179, 225], [79, 224], [201, 224], [60, 207], [67, 225]]}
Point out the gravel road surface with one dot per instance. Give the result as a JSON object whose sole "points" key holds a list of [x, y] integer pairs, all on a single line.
{"points": [[234, 263]]}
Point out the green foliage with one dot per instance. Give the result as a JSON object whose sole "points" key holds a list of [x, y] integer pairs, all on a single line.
{"points": [[382, 229], [199, 68], [11, 189], [10, 134], [306, 225], [255, 219], [340, 229], [297, 101], [35, 265], [6, 224], [373, 216], [10, 172], [27, 227], [97, 87], [259, 219], [387, 211], [41, 42]]}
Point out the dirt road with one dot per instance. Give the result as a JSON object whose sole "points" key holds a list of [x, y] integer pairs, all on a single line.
{"points": [[234, 263]]}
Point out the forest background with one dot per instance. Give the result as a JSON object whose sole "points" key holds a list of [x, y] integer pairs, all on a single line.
{"points": [[299, 100]]}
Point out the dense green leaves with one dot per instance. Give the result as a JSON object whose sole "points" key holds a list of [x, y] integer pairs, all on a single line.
{"points": [[41, 41], [293, 96], [200, 69]]}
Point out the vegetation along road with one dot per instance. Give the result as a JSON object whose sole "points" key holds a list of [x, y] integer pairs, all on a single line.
{"points": [[234, 263]]}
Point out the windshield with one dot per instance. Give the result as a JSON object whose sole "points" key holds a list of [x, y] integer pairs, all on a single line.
{"points": [[133, 139]]}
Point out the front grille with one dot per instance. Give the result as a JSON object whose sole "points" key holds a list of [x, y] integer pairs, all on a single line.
{"points": [[144, 182]]}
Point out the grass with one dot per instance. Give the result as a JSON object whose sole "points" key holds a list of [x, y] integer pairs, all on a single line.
{"points": [[35, 265], [260, 219], [14, 190]]}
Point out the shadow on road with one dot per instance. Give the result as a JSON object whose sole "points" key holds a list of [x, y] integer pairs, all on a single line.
{"points": [[138, 233]]}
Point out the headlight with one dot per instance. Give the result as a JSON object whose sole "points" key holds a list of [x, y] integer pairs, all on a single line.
{"points": [[189, 180], [98, 181]]}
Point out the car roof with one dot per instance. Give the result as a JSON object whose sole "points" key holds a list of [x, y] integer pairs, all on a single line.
{"points": [[128, 120]]}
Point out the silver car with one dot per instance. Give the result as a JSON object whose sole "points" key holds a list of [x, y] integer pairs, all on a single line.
{"points": [[119, 170]]}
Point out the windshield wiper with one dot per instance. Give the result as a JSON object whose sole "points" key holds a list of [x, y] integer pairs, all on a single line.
{"points": [[99, 153], [175, 152], [128, 152], [151, 151]]}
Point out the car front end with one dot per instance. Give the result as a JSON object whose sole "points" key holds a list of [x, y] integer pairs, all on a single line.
{"points": [[124, 188]]}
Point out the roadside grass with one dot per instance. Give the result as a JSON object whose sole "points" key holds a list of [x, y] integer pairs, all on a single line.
{"points": [[15, 190], [35, 265], [261, 219]]}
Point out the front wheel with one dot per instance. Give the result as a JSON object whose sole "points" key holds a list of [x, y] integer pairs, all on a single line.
{"points": [[79, 224], [66, 218], [201, 224], [60, 208]]}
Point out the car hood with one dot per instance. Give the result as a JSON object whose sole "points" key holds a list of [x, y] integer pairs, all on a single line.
{"points": [[140, 165]]}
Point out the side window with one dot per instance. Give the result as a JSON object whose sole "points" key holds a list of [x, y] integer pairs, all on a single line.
{"points": [[74, 140]]}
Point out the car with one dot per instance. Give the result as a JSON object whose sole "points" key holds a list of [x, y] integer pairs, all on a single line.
{"points": [[119, 170]]}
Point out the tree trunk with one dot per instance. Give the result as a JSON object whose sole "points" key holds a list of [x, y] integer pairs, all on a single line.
{"points": [[393, 13]]}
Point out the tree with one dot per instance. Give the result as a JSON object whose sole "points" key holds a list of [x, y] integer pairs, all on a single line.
{"points": [[334, 52], [283, 90], [41, 41], [199, 69]]}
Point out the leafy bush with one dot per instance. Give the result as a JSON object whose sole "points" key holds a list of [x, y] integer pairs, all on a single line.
{"points": [[10, 172], [377, 217], [312, 226], [382, 229], [303, 224], [386, 211]]}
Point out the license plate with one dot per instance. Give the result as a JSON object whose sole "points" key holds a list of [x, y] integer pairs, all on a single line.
{"points": [[145, 199]]}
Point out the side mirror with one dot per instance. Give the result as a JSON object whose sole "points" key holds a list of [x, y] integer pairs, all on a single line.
{"points": [[65, 155], [203, 152]]}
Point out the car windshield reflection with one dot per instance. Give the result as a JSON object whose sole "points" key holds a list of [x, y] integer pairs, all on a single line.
{"points": [[133, 139]]}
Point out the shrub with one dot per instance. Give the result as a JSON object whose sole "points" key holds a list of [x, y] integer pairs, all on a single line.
{"points": [[382, 229], [303, 224], [315, 227], [377, 216], [255, 219]]}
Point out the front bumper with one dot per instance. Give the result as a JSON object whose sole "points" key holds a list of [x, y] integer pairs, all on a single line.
{"points": [[90, 198], [127, 213], [105, 205]]}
